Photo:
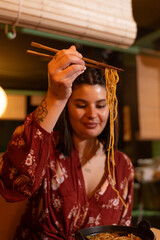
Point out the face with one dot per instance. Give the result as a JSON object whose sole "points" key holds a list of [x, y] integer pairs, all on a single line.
{"points": [[88, 111]]}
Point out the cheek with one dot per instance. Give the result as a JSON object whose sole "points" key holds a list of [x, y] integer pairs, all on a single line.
{"points": [[75, 114], [104, 116]]}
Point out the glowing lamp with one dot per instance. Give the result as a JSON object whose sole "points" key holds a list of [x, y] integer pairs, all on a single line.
{"points": [[3, 101]]}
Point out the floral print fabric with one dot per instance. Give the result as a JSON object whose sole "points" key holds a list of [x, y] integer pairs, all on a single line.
{"points": [[57, 201]]}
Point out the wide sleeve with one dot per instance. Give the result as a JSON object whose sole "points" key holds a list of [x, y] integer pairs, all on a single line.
{"points": [[23, 165]]}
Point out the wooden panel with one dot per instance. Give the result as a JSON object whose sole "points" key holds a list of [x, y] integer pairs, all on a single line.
{"points": [[16, 108], [10, 217], [148, 87], [101, 21]]}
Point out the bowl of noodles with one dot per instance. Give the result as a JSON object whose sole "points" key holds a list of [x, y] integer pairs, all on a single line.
{"points": [[112, 232]]}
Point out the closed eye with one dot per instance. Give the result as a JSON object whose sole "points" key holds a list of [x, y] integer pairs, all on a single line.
{"points": [[80, 105], [101, 106]]}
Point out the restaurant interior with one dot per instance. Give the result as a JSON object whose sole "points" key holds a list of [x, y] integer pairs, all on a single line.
{"points": [[23, 77]]}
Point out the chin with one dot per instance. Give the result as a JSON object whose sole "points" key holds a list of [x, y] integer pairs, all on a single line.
{"points": [[91, 134]]}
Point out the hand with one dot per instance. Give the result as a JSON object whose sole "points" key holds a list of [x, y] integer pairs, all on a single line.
{"points": [[63, 69]]}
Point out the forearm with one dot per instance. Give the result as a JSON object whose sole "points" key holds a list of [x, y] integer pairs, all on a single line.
{"points": [[63, 69], [48, 112]]}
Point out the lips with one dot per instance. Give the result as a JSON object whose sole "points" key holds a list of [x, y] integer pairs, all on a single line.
{"points": [[90, 125]]}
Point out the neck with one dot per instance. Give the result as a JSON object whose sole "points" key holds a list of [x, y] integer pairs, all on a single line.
{"points": [[87, 148], [82, 144]]}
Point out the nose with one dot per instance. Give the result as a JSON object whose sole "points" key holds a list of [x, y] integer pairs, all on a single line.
{"points": [[91, 112]]}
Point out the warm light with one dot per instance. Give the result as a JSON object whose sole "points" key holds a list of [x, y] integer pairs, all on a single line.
{"points": [[3, 101]]}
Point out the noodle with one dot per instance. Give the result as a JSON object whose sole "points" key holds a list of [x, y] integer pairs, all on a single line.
{"points": [[113, 236], [112, 78]]}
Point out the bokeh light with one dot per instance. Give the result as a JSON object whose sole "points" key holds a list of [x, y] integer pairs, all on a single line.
{"points": [[3, 101]]}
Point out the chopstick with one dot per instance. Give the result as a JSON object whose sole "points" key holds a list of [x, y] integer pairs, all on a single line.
{"points": [[88, 62], [51, 56]]}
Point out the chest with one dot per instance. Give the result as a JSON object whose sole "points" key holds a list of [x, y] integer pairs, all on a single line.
{"points": [[94, 174]]}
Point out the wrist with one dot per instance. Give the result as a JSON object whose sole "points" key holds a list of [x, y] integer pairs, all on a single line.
{"points": [[48, 112], [53, 100]]}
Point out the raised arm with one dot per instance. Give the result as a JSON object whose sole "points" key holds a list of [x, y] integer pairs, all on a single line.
{"points": [[22, 167], [62, 71]]}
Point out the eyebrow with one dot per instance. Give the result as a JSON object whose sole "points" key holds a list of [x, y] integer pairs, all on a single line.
{"points": [[82, 100]]}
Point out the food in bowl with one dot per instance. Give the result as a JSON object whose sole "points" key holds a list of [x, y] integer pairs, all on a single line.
{"points": [[113, 236]]}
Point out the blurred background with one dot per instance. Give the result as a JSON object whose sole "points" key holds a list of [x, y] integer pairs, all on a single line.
{"points": [[23, 78]]}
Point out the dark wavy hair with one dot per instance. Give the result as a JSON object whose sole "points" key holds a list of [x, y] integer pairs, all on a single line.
{"points": [[65, 145]]}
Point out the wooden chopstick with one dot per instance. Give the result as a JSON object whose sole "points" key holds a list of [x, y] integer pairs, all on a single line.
{"points": [[51, 56], [89, 62]]}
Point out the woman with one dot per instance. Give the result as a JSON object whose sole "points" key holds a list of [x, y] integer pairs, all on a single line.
{"points": [[64, 173]]}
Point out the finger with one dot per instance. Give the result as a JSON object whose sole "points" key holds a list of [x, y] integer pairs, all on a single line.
{"points": [[64, 52], [67, 82], [68, 60], [73, 71], [73, 47]]}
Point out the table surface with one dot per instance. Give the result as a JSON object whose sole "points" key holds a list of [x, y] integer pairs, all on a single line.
{"points": [[156, 233]]}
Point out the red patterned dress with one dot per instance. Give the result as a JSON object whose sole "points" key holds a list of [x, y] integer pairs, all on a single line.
{"points": [[54, 185]]}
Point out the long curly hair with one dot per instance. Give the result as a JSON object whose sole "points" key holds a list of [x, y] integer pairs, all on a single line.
{"points": [[65, 145]]}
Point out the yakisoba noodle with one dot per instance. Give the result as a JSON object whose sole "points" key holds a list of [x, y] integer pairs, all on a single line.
{"points": [[113, 236], [112, 78]]}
